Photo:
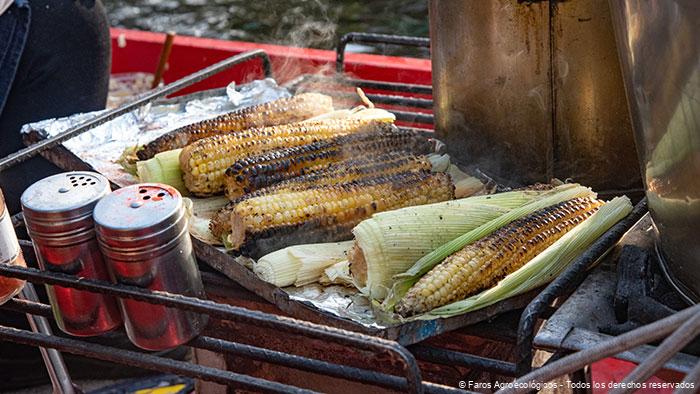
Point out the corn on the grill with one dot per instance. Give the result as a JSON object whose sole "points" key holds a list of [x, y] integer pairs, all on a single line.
{"points": [[328, 213], [481, 265], [277, 112], [269, 168], [204, 162], [342, 172]]}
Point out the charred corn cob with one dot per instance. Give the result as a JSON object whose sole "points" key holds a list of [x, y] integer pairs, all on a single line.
{"points": [[481, 265], [266, 169], [337, 173], [277, 112], [204, 162], [327, 213]]}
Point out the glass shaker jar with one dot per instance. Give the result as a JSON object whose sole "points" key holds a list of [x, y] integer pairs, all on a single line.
{"points": [[10, 254]]}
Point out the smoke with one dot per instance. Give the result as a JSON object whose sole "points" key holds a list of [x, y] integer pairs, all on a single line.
{"points": [[309, 24]]}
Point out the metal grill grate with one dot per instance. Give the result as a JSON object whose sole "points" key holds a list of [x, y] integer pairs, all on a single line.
{"points": [[412, 104]]}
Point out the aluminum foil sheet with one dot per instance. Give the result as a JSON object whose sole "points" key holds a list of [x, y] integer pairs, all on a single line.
{"points": [[340, 301], [103, 145]]}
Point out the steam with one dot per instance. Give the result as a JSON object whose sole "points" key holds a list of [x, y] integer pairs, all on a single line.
{"points": [[311, 25]]}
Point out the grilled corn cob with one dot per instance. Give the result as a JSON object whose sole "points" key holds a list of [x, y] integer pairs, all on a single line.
{"points": [[481, 265], [266, 169], [342, 172], [204, 162], [277, 112], [328, 213]]}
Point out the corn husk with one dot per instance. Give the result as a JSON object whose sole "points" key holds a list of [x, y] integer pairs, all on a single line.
{"points": [[337, 274], [300, 265], [404, 281], [390, 242], [164, 167], [545, 266]]}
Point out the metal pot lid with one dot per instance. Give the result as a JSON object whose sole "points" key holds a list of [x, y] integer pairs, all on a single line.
{"points": [[64, 196], [138, 210]]}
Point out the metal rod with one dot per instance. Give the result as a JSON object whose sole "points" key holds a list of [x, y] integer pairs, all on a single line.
{"points": [[568, 280], [144, 99], [413, 117], [667, 349], [691, 380], [146, 361], [372, 38], [270, 356], [308, 364], [450, 357], [230, 312], [55, 366], [604, 349]]}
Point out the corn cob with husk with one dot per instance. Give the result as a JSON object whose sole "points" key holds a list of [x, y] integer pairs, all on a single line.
{"points": [[299, 265], [283, 111], [390, 242], [266, 169], [327, 213], [204, 162], [481, 265], [346, 171]]}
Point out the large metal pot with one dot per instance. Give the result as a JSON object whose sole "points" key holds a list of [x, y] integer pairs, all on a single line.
{"points": [[527, 91], [659, 44]]}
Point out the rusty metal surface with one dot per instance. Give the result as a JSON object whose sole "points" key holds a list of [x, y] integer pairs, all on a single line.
{"points": [[593, 137], [527, 91], [491, 85]]}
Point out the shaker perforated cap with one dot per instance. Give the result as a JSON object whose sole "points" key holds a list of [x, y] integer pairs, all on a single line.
{"points": [[138, 210], [64, 196]]}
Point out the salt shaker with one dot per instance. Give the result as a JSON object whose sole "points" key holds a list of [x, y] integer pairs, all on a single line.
{"points": [[142, 231], [58, 214], [10, 254]]}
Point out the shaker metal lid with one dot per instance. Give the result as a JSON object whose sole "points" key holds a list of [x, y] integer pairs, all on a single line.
{"points": [[146, 206], [67, 195]]}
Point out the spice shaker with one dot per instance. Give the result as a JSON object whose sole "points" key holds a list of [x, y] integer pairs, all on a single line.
{"points": [[10, 254], [142, 231], [58, 214]]}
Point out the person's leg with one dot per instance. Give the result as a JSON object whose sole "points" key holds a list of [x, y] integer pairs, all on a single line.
{"points": [[64, 69]]}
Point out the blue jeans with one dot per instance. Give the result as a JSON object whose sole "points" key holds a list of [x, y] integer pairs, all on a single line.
{"points": [[54, 62], [14, 29]]}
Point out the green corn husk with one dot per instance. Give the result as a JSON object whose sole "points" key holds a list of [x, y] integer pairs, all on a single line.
{"points": [[128, 159], [407, 279], [545, 266], [390, 242], [163, 168]]}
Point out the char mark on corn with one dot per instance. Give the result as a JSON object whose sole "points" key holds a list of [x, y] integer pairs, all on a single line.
{"points": [[349, 170], [286, 110], [256, 172], [481, 265], [204, 162], [328, 213]]}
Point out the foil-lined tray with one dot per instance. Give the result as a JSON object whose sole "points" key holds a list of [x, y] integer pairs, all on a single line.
{"points": [[100, 148]]}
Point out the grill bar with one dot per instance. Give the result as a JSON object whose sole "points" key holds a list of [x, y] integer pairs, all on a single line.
{"points": [[146, 361], [269, 356], [148, 97], [285, 324], [373, 38], [449, 357]]}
